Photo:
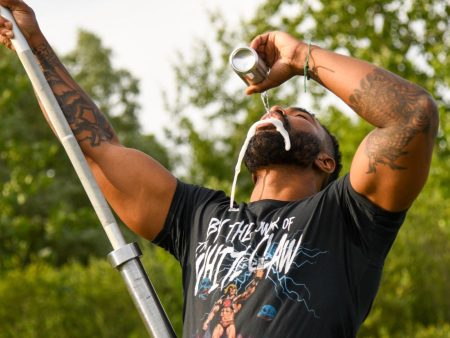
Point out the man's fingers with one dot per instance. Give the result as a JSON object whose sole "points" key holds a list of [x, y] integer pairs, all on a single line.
{"points": [[6, 33], [260, 41], [5, 25], [255, 42], [11, 4], [261, 87], [6, 28], [5, 22], [6, 42]]}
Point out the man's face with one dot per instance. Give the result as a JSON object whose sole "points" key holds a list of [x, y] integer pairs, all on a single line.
{"points": [[267, 146]]}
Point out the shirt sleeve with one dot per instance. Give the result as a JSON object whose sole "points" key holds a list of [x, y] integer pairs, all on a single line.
{"points": [[188, 201], [374, 228]]}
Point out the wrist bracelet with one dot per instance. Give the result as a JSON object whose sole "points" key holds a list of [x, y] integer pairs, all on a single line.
{"points": [[306, 67]]}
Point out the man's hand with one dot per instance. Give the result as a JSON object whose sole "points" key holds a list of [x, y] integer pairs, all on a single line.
{"points": [[25, 18], [281, 52]]}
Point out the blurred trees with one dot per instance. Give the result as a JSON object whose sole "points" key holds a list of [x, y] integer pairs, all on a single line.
{"points": [[77, 301]]}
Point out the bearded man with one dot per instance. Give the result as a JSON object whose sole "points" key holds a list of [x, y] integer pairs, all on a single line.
{"points": [[323, 240]]}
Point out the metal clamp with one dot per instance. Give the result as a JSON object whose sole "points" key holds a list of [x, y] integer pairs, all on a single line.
{"points": [[124, 254]]}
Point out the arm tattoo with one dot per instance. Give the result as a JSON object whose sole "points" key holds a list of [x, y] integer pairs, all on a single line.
{"points": [[83, 116], [383, 98]]}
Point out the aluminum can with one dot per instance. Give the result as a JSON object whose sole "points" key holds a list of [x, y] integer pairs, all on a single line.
{"points": [[248, 65]]}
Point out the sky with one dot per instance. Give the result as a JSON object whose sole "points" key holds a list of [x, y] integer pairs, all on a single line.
{"points": [[144, 36]]}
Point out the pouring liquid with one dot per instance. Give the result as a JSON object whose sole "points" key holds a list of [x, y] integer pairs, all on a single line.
{"points": [[265, 101]]}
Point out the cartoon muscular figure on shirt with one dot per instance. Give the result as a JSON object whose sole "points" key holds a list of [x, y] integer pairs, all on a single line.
{"points": [[229, 305]]}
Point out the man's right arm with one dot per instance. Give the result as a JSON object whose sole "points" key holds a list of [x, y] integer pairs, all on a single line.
{"points": [[137, 187]]}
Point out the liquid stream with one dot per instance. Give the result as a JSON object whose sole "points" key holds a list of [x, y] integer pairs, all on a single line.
{"points": [[265, 101]]}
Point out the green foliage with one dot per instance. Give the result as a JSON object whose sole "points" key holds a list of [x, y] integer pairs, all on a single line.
{"points": [[44, 212], [34, 175], [82, 301]]}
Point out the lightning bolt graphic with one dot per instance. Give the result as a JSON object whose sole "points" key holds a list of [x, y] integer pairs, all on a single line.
{"points": [[287, 287]]}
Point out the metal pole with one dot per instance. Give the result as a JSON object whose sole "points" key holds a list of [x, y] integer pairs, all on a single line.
{"points": [[125, 257]]}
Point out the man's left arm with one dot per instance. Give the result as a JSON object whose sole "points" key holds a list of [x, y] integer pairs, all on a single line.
{"points": [[392, 163]]}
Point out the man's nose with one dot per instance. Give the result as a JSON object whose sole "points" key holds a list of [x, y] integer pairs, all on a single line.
{"points": [[275, 111]]}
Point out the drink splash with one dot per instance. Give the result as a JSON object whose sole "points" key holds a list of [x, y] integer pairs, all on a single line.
{"points": [[265, 101], [251, 132]]}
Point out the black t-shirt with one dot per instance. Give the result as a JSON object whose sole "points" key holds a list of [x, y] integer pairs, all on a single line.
{"points": [[308, 268]]}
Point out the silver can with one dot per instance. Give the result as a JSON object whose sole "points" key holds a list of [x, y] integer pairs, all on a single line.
{"points": [[248, 65]]}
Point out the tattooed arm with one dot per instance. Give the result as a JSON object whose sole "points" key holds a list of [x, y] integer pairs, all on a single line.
{"points": [[138, 188], [392, 163]]}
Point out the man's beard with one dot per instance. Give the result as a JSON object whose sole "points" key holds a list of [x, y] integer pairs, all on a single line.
{"points": [[267, 148]]}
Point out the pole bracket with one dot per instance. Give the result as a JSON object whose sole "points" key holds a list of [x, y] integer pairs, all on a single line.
{"points": [[124, 254]]}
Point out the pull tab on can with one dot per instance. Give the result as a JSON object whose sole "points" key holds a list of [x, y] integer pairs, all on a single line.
{"points": [[248, 65]]}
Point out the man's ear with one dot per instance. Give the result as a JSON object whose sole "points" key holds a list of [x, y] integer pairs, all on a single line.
{"points": [[324, 162], [254, 178]]}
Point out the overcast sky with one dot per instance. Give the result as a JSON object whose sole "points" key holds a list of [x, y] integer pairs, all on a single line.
{"points": [[143, 34]]}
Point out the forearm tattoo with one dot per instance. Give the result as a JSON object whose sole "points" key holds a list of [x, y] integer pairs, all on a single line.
{"points": [[383, 98], [85, 119]]}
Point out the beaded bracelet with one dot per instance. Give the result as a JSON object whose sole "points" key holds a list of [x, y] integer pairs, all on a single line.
{"points": [[306, 67]]}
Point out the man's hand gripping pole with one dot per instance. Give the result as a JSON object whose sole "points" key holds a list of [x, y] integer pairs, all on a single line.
{"points": [[125, 257]]}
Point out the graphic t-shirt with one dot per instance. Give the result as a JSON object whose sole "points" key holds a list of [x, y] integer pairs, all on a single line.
{"points": [[308, 268]]}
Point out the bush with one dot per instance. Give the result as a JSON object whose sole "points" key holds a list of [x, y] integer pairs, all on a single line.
{"points": [[81, 301]]}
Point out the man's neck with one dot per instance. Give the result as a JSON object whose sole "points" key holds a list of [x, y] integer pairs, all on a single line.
{"points": [[284, 183]]}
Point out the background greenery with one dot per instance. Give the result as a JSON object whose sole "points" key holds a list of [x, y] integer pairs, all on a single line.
{"points": [[54, 281]]}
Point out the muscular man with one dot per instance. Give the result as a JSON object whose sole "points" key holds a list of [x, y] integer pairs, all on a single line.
{"points": [[323, 241]]}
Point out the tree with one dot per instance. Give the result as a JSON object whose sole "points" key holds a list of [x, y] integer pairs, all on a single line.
{"points": [[78, 301], [44, 213], [411, 39]]}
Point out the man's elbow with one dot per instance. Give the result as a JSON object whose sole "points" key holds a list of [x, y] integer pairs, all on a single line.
{"points": [[427, 114]]}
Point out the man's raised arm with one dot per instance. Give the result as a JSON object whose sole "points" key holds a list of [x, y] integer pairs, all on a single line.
{"points": [[138, 188], [392, 163]]}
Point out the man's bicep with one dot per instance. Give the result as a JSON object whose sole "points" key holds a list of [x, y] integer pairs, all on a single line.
{"points": [[137, 187], [391, 166]]}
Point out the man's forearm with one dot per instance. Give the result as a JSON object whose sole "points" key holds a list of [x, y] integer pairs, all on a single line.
{"points": [[88, 124], [377, 95]]}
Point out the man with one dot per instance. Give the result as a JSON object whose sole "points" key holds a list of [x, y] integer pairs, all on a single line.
{"points": [[323, 241]]}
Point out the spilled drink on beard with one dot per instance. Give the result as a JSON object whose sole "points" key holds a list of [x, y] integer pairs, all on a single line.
{"points": [[251, 132]]}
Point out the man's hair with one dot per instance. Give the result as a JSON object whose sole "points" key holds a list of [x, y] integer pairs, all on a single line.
{"points": [[333, 146]]}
